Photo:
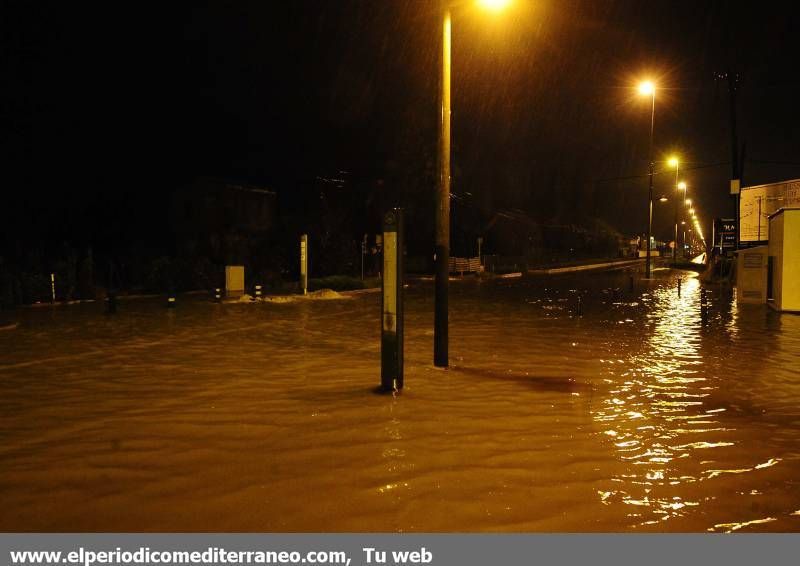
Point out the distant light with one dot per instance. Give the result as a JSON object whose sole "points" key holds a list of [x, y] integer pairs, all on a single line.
{"points": [[663, 199], [673, 161], [682, 186], [647, 88], [688, 201], [494, 5]]}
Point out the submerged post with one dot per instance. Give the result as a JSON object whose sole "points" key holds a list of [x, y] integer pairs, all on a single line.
{"points": [[392, 303], [304, 263], [53, 286]]}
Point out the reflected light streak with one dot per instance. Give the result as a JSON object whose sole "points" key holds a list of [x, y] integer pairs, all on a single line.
{"points": [[657, 413]]}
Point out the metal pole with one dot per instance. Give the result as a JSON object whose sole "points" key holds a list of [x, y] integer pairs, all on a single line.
{"points": [[363, 252], [650, 188], [53, 286], [442, 250], [304, 263], [392, 302], [677, 194]]}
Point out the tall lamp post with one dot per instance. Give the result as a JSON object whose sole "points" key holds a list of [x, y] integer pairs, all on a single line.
{"points": [[647, 88], [686, 202], [442, 249], [675, 162]]}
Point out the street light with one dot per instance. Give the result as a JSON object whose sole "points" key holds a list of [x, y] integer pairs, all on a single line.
{"points": [[647, 88], [442, 244], [675, 162], [686, 201], [494, 5]]}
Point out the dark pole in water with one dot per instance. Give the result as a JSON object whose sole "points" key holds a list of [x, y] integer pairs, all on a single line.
{"points": [[630, 282], [392, 302], [112, 301], [703, 305], [679, 287], [579, 309]]}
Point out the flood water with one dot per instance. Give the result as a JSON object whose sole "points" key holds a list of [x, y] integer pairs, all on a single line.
{"points": [[639, 415]]}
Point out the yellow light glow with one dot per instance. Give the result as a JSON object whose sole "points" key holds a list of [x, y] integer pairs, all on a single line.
{"points": [[673, 161], [663, 199], [647, 88], [494, 5], [682, 186], [688, 202]]}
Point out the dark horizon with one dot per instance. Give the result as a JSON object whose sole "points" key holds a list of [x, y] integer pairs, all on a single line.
{"points": [[109, 111]]}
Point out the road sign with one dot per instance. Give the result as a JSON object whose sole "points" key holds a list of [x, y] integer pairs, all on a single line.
{"points": [[725, 233]]}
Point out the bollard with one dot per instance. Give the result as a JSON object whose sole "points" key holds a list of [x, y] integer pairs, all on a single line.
{"points": [[304, 263], [679, 287], [112, 302], [256, 293], [392, 302], [579, 308], [53, 286], [171, 300], [703, 305], [218, 294]]}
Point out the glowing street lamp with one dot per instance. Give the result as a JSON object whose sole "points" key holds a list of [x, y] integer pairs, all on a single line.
{"points": [[647, 88], [442, 249], [494, 5]]}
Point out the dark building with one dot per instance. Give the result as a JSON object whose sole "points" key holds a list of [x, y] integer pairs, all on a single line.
{"points": [[218, 219]]}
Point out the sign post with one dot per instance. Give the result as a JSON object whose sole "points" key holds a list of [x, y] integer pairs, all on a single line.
{"points": [[392, 302], [724, 234], [304, 263]]}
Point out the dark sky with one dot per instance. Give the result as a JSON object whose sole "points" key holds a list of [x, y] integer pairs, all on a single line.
{"points": [[110, 106]]}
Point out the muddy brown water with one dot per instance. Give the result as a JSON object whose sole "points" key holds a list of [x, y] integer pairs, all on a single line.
{"points": [[640, 415]]}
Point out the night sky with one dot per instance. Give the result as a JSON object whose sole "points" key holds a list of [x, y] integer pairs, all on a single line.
{"points": [[108, 107]]}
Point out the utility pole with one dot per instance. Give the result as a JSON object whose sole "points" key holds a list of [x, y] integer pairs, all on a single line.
{"points": [[442, 250], [648, 268]]}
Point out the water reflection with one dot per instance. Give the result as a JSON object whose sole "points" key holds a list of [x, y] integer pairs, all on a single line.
{"points": [[657, 412]]}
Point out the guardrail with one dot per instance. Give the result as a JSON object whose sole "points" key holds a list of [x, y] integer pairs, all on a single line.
{"points": [[464, 265]]}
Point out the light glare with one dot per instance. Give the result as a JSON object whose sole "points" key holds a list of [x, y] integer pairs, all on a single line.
{"points": [[494, 5], [646, 88]]}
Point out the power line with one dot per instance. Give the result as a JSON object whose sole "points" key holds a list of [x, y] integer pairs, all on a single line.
{"points": [[694, 168]]}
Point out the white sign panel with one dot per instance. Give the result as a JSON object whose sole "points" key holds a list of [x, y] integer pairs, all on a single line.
{"points": [[390, 282], [757, 203]]}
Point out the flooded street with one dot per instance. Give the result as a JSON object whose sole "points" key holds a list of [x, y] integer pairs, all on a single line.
{"points": [[639, 415]]}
